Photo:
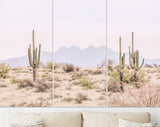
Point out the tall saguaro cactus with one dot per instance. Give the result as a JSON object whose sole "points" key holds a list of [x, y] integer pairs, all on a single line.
{"points": [[134, 59], [121, 64], [34, 62]]}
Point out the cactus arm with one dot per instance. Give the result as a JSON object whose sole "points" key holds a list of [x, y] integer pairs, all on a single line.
{"points": [[39, 54], [130, 62], [121, 58], [141, 64], [123, 61], [34, 51], [33, 41], [30, 56], [120, 53], [36, 57], [132, 42], [137, 60], [130, 59]]}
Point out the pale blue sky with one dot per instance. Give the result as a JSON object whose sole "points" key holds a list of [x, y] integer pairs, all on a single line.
{"points": [[80, 23], [140, 16], [17, 19]]}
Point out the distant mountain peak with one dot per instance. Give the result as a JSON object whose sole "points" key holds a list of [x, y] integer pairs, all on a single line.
{"points": [[87, 57], [91, 46]]}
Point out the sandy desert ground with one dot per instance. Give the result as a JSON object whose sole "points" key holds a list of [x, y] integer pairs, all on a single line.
{"points": [[17, 89], [79, 87], [146, 95]]}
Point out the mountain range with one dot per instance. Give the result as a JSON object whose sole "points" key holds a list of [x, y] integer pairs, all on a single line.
{"points": [[88, 57], [93, 56]]}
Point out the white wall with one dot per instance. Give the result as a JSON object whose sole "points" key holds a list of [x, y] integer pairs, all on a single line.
{"points": [[5, 113]]}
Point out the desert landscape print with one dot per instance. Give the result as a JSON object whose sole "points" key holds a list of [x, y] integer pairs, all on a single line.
{"points": [[26, 54], [79, 53], [133, 55]]}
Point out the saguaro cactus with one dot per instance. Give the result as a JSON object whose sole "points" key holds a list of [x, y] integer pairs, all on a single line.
{"points": [[34, 63], [121, 64], [134, 59]]}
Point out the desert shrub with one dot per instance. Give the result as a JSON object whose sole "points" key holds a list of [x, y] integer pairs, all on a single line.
{"points": [[104, 63], [14, 80], [56, 65], [49, 78], [39, 102], [42, 86], [57, 96], [110, 62], [81, 97], [128, 76], [3, 85], [140, 76], [77, 69], [67, 99], [43, 76], [16, 68], [26, 83], [114, 74], [75, 82], [97, 72], [57, 78], [68, 68], [4, 69], [110, 68], [23, 71], [101, 98], [76, 74], [113, 86], [86, 82], [148, 96], [68, 87], [88, 71], [148, 65], [155, 65], [49, 65]]}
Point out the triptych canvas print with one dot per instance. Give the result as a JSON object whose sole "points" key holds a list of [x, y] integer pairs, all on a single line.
{"points": [[86, 53]]}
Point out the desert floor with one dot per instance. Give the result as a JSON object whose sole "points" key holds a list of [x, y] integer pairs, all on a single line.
{"points": [[81, 87], [146, 95], [19, 90]]}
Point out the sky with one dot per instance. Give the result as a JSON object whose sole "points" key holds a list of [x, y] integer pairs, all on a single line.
{"points": [[139, 16], [79, 23], [17, 19]]}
